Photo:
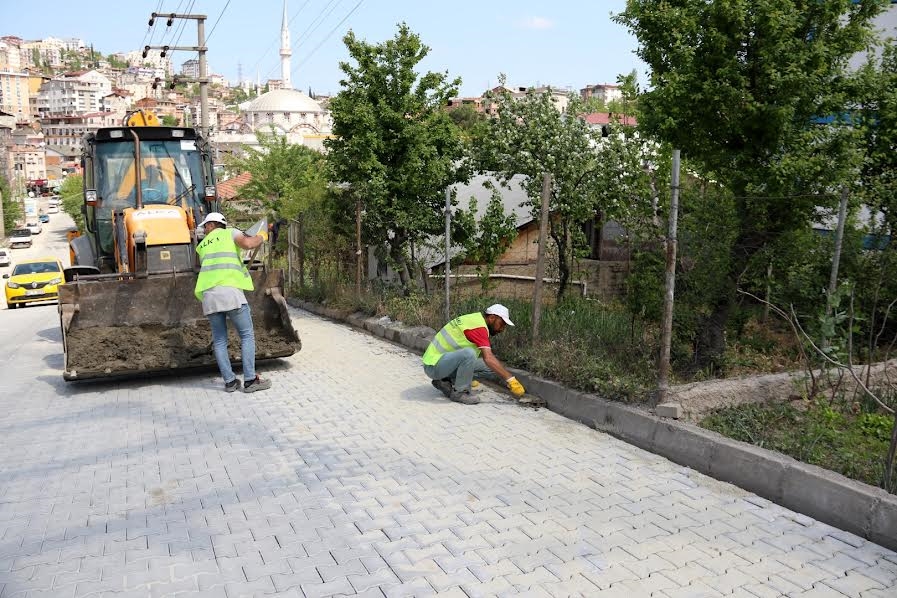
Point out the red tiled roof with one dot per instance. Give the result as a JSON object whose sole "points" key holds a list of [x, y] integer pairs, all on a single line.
{"points": [[604, 118], [230, 189]]}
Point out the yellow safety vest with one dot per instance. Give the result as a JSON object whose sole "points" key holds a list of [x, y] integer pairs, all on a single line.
{"points": [[451, 337], [220, 263]]}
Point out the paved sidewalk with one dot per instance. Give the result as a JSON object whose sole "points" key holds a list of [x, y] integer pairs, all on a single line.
{"points": [[353, 476]]}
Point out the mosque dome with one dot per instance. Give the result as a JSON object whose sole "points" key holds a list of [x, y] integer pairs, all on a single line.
{"points": [[284, 100]]}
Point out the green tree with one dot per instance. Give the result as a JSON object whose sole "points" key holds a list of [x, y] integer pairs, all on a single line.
{"points": [[169, 120], [116, 63], [593, 104], [738, 86], [876, 117], [72, 193], [490, 237], [467, 118], [12, 211], [394, 143], [590, 175], [286, 178]]}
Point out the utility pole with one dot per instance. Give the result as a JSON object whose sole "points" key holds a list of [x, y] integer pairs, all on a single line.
{"points": [[540, 255], [358, 254], [448, 246], [203, 79]]}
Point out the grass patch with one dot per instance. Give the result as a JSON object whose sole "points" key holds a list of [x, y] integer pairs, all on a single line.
{"points": [[848, 439]]}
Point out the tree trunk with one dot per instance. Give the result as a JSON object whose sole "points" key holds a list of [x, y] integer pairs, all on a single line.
{"points": [[710, 344], [398, 260], [561, 240]]}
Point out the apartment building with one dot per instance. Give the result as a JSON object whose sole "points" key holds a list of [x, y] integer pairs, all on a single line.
{"points": [[65, 132], [73, 93], [14, 94], [603, 91]]}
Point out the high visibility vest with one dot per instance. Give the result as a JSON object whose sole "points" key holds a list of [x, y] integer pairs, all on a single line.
{"points": [[220, 263], [451, 337]]}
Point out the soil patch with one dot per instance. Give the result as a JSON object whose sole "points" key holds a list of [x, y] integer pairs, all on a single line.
{"points": [[106, 350]]}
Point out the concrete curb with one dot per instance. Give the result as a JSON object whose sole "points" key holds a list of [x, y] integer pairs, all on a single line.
{"points": [[829, 497]]}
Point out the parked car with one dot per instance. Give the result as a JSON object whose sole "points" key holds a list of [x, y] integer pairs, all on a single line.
{"points": [[19, 237], [34, 226], [33, 280], [52, 209], [4, 257], [44, 218]]}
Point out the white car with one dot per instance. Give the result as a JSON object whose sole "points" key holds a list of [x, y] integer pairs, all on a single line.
{"points": [[4, 257], [34, 227], [52, 209], [19, 237]]}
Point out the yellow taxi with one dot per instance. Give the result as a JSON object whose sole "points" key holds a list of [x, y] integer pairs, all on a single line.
{"points": [[33, 280]]}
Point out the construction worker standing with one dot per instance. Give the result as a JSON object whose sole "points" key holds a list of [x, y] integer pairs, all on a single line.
{"points": [[220, 285], [462, 349]]}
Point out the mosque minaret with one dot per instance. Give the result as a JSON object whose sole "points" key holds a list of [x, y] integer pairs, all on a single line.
{"points": [[282, 110], [285, 51]]}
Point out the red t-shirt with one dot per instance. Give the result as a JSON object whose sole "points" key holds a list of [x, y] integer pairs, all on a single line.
{"points": [[479, 337]]}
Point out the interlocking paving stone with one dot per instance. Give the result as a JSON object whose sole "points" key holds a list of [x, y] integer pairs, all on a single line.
{"points": [[353, 476]]}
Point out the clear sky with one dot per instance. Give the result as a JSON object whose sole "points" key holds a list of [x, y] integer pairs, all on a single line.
{"points": [[562, 43]]}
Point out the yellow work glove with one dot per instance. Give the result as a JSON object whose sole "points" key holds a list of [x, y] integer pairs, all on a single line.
{"points": [[515, 387], [263, 234]]}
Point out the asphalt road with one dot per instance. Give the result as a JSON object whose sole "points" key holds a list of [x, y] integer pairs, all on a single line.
{"points": [[353, 476]]}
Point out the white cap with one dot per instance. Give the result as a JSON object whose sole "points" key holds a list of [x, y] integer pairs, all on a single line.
{"points": [[213, 217], [501, 311]]}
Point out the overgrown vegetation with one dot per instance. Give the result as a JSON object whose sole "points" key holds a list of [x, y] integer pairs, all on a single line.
{"points": [[12, 211], [849, 438]]}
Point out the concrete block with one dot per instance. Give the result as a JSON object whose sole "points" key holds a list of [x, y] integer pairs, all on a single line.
{"points": [[585, 408], [829, 497], [356, 319], [630, 424], [673, 410], [883, 526], [750, 467], [684, 444]]}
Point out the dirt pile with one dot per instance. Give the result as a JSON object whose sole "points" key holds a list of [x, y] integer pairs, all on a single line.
{"points": [[108, 350]]}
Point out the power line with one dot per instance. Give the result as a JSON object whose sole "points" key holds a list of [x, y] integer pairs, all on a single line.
{"points": [[319, 19], [321, 43], [183, 26], [221, 14], [150, 29]]}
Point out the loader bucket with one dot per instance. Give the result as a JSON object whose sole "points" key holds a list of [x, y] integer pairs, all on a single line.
{"points": [[113, 326]]}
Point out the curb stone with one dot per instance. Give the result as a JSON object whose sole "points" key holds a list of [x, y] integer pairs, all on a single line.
{"points": [[824, 495]]}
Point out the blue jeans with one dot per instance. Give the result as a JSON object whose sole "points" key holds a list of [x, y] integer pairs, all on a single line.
{"points": [[242, 321], [460, 367]]}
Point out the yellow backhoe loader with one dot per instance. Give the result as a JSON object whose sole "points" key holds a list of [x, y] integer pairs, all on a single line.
{"points": [[127, 305]]}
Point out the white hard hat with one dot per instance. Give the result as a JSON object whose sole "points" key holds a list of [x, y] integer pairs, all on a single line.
{"points": [[501, 311], [213, 217]]}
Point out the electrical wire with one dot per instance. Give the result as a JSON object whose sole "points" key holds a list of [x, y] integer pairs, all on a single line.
{"points": [[330, 33], [150, 29], [170, 30], [221, 14], [183, 24]]}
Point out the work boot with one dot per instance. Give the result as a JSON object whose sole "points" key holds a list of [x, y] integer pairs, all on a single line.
{"points": [[444, 386], [464, 397], [233, 385], [257, 384]]}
